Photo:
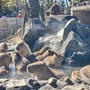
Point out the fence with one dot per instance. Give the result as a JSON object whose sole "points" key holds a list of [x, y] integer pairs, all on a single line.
{"points": [[8, 26]]}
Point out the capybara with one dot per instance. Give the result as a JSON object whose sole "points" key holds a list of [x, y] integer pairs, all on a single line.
{"points": [[23, 49], [5, 59], [19, 61], [3, 47]]}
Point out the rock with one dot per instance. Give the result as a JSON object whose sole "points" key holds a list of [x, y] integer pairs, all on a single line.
{"points": [[33, 83], [67, 18], [64, 81], [5, 59], [16, 85], [76, 87], [3, 47], [61, 84], [83, 75], [47, 87], [19, 61], [53, 25], [72, 46], [52, 81], [40, 71], [4, 70], [2, 88], [59, 74], [34, 29]]}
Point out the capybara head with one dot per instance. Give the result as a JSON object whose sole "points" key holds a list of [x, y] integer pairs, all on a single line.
{"points": [[23, 49], [16, 57], [3, 47], [5, 59], [75, 74]]}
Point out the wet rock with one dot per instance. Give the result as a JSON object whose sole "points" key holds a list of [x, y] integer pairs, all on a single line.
{"points": [[4, 70], [52, 81], [76, 87]]}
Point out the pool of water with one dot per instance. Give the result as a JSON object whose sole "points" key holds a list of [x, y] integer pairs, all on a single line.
{"points": [[24, 75]]}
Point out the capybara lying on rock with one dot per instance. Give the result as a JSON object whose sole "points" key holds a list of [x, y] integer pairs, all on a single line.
{"points": [[42, 72], [5, 59], [4, 70], [49, 52], [83, 74], [23, 49], [19, 61], [3, 47], [41, 51], [54, 61]]}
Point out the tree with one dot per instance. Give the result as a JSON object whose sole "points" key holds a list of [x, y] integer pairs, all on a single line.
{"points": [[34, 8]]}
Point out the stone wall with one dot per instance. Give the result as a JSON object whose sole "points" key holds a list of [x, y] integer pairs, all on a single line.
{"points": [[83, 13], [8, 26]]}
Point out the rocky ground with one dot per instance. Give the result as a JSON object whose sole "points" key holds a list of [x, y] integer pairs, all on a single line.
{"points": [[64, 83]]}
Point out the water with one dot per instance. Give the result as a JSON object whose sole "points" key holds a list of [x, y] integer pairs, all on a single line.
{"points": [[15, 74], [67, 69]]}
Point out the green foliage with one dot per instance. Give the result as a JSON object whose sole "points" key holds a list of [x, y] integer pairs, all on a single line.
{"points": [[47, 3]]}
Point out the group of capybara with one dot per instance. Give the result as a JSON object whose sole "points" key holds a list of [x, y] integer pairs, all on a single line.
{"points": [[41, 64]]}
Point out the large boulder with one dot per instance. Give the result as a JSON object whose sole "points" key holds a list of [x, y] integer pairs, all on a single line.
{"points": [[34, 29]]}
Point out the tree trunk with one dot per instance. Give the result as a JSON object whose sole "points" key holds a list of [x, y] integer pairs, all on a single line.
{"points": [[34, 8], [0, 7]]}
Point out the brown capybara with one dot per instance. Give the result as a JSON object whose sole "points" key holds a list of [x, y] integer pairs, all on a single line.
{"points": [[83, 74], [19, 61], [41, 51], [5, 59], [23, 49], [3, 47], [49, 52], [42, 72], [4, 70], [54, 61]]}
